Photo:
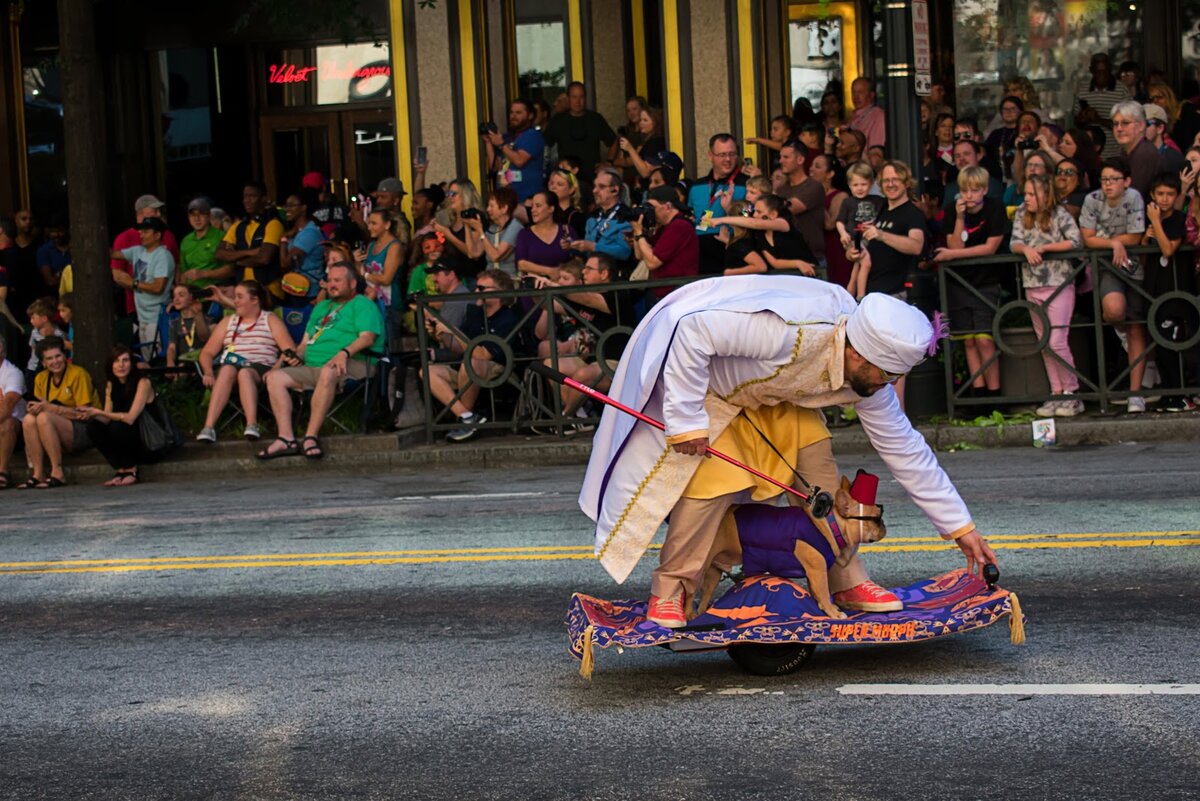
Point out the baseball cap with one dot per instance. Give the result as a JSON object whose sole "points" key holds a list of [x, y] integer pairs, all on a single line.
{"points": [[1156, 112], [667, 160], [147, 202], [313, 180], [201, 205], [392, 185], [152, 224]]}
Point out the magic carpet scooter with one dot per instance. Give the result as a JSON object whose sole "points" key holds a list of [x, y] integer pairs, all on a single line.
{"points": [[771, 625]]}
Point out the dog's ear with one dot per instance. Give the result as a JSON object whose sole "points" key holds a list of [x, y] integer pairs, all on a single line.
{"points": [[845, 485], [842, 500]]}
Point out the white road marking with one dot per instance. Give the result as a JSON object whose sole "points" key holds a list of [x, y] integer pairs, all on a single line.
{"points": [[1019, 689], [472, 496]]}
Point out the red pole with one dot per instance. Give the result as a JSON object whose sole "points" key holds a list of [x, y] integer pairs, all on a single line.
{"points": [[650, 421]]}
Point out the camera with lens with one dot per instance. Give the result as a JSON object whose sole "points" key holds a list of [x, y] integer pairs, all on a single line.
{"points": [[1028, 144], [469, 214], [488, 128], [630, 213]]}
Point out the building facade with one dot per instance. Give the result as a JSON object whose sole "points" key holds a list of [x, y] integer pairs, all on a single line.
{"points": [[201, 103]]}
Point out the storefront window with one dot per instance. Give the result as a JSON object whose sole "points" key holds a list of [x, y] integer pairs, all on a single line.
{"points": [[44, 138], [541, 49], [1051, 42], [1190, 14], [328, 75], [823, 47]]}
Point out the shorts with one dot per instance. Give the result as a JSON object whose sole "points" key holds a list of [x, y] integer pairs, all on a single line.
{"points": [[80, 441], [308, 377], [970, 316], [1137, 305], [458, 378]]}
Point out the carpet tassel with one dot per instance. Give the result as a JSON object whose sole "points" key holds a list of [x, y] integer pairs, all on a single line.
{"points": [[1016, 621], [588, 662]]}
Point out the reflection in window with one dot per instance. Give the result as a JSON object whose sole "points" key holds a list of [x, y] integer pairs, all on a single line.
{"points": [[1190, 14], [45, 159], [1050, 42], [328, 75], [816, 56], [541, 49], [374, 152], [187, 124]]}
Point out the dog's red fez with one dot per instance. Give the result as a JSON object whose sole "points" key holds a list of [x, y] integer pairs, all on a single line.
{"points": [[864, 488]]}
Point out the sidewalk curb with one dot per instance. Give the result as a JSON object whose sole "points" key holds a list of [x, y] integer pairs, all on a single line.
{"points": [[407, 449]]}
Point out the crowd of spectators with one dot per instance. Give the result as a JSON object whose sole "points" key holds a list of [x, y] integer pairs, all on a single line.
{"points": [[306, 292]]}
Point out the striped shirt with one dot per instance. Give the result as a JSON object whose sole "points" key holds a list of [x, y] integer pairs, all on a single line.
{"points": [[1102, 101], [253, 342]]}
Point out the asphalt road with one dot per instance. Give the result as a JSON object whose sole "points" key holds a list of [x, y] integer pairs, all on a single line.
{"points": [[354, 642]]}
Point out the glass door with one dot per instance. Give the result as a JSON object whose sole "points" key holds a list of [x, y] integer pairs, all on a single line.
{"points": [[368, 148], [297, 144]]}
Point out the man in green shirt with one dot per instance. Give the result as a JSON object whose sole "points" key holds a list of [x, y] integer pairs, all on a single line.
{"points": [[198, 250], [339, 330]]}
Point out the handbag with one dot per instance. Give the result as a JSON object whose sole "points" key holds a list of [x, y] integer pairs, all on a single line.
{"points": [[158, 434], [641, 272]]}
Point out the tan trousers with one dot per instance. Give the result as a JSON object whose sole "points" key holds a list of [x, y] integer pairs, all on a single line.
{"points": [[694, 522]]}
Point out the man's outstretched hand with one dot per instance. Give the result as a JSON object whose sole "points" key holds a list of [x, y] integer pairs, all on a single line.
{"points": [[978, 552]]}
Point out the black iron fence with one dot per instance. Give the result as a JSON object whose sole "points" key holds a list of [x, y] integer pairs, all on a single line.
{"points": [[1164, 302], [512, 398]]}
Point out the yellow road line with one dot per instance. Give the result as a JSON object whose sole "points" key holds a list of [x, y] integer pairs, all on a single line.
{"points": [[931, 543], [198, 564]]}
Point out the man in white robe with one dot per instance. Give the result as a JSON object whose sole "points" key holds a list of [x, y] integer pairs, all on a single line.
{"points": [[720, 358]]}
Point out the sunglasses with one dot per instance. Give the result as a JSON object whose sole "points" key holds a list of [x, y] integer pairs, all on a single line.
{"points": [[889, 378], [960, 137], [1066, 172]]}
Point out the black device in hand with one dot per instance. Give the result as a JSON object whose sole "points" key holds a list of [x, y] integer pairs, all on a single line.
{"points": [[1027, 144], [643, 213], [469, 214], [488, 128]]}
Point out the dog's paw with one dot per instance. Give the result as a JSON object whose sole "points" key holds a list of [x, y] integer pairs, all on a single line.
{"points": [[833, 612]]}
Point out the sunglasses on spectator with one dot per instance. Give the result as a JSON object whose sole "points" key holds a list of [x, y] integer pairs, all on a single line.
{"points": [[962, 136], [484, 288], [889, 378], [1061, 171], [452, 193]]}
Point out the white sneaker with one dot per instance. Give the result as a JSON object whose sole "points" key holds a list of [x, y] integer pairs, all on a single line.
{"points": [[207, 434], [1136, 405], [1151, 378], [1048, 409], [1069, 408], [252, 432]]}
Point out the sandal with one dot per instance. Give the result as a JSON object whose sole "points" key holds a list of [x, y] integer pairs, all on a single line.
{"points": [[291, 448], [33, 483], [5, 481], [313, 451], [51, 483], [126, 479]]}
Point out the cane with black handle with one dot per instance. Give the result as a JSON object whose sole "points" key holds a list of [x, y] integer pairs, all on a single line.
{"points": [[820, 503]]}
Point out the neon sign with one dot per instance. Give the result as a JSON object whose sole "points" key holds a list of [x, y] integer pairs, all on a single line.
{"points": [[328, 70]]}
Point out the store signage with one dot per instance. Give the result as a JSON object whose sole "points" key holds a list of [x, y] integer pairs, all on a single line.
{"points": [[327, 71], [922, 63]]}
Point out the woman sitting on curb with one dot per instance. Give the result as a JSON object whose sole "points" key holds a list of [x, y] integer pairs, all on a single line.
{"points": [[54, 422], [244, 346], [114, 429]]}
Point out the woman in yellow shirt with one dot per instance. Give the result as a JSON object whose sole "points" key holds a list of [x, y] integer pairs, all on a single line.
{"points": [[54, 423]]}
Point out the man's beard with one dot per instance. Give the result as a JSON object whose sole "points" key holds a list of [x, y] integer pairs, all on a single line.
{"points": [[862, 388]]}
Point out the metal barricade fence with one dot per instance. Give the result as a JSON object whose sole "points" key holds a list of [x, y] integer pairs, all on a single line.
{"points": [[514, 404], [511, 403], [1171, 320]]}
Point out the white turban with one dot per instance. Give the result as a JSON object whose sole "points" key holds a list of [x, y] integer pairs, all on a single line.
{"points": [[891, 334]]}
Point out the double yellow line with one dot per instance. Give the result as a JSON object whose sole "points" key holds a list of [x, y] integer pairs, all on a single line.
{"points": [[1124, 539]]}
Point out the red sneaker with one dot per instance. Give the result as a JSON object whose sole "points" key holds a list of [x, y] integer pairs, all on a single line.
{"points": [[667, 612], [868, 597]]}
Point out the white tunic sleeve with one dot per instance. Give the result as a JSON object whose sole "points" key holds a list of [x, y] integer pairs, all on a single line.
{"points": [[911, 460], [704, 336]]}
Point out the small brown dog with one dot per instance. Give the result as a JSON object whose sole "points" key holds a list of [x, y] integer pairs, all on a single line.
{"points": [[787, 541]]}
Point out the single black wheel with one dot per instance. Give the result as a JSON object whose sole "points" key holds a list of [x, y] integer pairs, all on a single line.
{"points": [[771, 660]]}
